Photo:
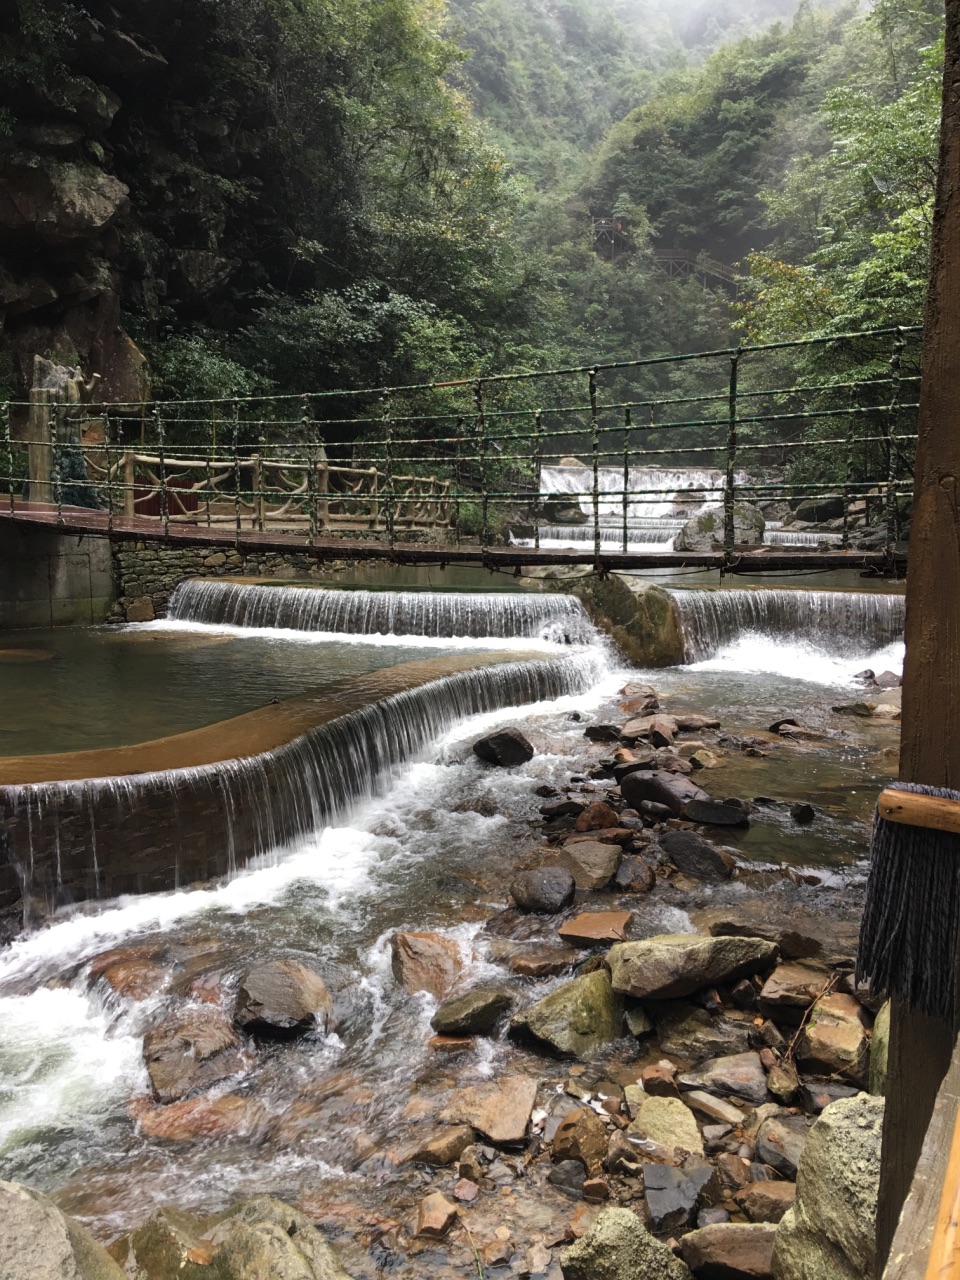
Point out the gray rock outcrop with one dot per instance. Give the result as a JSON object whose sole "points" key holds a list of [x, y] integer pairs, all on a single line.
{"points": [[38, 1242], [619, 1247], [830, 1232]]}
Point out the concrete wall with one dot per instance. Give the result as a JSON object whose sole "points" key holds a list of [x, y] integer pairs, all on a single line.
{"points": [[53, 579]]}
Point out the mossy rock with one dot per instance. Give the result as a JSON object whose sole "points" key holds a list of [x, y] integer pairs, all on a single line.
{"points": [[640, 619], [705, 531]]}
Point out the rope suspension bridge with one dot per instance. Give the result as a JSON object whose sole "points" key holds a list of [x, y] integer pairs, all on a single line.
{"points": [[599, 465]]}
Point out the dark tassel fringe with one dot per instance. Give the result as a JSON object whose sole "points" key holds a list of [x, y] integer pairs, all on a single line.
{"points": [[911, 919]]}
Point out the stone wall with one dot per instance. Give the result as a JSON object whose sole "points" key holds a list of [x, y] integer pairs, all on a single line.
{"points": [[50, 579], [147, 574]]}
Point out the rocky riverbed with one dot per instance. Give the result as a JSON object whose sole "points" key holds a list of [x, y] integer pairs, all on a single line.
{"points": [[627, 1036]]}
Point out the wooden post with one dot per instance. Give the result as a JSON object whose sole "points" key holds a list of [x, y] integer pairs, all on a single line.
{"points": [[129, 480], [39, 445], [921, 1047]]}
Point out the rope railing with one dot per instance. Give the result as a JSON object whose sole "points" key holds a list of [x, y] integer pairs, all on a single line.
{"points": [[617, 448]]}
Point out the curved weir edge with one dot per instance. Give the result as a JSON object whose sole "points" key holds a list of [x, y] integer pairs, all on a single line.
{"points": [[199, 805]]}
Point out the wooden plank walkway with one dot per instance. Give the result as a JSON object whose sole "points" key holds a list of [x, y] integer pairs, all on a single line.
{"points": [[80, 521]]}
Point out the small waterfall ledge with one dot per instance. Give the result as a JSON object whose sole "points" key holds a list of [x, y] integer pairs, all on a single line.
{"points": [[199, 805]]}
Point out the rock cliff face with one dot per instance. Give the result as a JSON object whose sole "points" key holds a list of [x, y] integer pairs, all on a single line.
{"points": [[139, 178]]}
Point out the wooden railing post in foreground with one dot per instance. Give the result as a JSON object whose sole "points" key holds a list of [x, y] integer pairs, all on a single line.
{"points": [[921, 1047]]}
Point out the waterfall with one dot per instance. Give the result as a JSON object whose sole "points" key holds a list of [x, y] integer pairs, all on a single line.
{"points": [[657, 533], [401, 613], [654, 493], [799, 537], [149, 832], [859, 621]]}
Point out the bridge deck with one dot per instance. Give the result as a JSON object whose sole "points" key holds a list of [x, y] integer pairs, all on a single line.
{"points": [[81, 521]]}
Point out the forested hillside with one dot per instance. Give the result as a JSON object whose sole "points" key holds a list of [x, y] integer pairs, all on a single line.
{"points": [[308, 193]]}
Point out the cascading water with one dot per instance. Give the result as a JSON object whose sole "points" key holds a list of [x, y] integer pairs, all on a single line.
{"points": [[799, 537], [657, 534], [860, 621], [481, 615]]}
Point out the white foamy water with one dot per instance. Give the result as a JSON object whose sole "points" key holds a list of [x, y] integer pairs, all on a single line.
{"points": [[799, 660], [290, 635], [62, 1064]]}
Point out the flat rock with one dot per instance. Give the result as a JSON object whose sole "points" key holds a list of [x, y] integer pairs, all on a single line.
{"points": [[227, 1116], [739, 1075], [714, 813], [696, 857], [541, 961], [507, 748], [136, 973], [592, 863], [730, 1251], [546, 889], [694, 722], [576, 1019], [500, 1110], [817, 1094], [670, 789], [834, 1040], [780, 1143], [672, 965], [475, 1013], [592, 927], [667, 1122], [441, 1146], [283, 997], [192, 1049], [673, 1194], [713, 1108], [689, 1031], [425, 962], [435, 1216], [619, 1247], [791, 989], [766, 1201]]}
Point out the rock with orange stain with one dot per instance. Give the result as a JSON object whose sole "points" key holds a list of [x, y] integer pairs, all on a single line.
{"points": [[425, 962], [132, 972], [229, 1116]]}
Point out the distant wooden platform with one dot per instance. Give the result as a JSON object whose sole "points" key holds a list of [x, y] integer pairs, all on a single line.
{"points": [[81, 521]]}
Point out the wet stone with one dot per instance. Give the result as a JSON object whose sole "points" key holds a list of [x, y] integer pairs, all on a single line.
{"points": [[568, 1176], [435, 1216], [695, 856], [592, 927], [671, 965], [500, 1110], [660, 1080], [582, 1136], [595, 817], [506, 748], [546, 889], [739, 1075], [635, 875], [791, 989], [283, 997], [425, 962], [591, 863], [689, 1031], [476, 1012], [191, 1050], [715, 813], [817, 1094], [576, 1019], [672, 790]]}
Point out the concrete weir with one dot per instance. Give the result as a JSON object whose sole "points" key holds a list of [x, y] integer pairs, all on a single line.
{"points": [[195, 806]]}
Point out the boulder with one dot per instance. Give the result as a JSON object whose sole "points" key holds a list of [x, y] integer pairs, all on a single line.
{"points": [[730, 1251], [59, 202], [640, 618], [791, 989], [696, 857], [499, 1109], [705, 531], [689, 1031], [830, 1233], [507, 747], [819, 510], [766, 1201], [38, 1242], [674, 790], [715, 813], [259, 1237], [695, 722], [592, 927], [673, 1194], [192, 1049], [667, 1122], [546, 890], [834, 1041], [619, 1247], [780, 1143], [592, 864], [475, 1013], [425, 962], [283, 997], [879, 1051], [596, 817], [576, 1019], [738, 1075], [582, 1136], [635, 875], [670, 965]]}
